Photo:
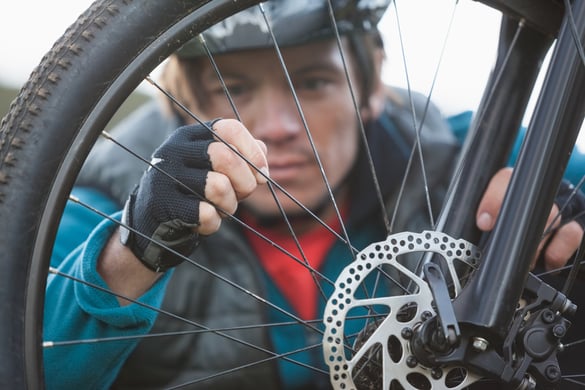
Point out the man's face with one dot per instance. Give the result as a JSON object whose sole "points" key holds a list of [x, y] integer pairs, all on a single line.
{"points": [[267, 108]]}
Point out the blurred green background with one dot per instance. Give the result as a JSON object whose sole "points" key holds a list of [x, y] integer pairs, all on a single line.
{"points": [[7, 94]]}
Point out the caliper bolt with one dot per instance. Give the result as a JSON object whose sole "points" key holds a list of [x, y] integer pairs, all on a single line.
{"points": [[552, 372], [548, 316], [480, 344], [559, 331], [411, 361], [407, 333]]}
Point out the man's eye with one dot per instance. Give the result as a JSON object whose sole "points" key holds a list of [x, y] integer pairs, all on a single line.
{"points": [[237, 89], [233, 89], [312, 84]]}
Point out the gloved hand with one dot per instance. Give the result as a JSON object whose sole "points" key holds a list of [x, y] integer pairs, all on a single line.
{"points": [[166, 210], [167, 203]]}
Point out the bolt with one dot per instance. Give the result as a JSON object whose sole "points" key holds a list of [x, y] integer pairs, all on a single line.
{"points": [[552, 372], [411, 361], [407, 333], [480, 344], [559, 331], [548, 316], [426, 315], [436, 373]]}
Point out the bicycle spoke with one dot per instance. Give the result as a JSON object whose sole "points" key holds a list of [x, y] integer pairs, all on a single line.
{"points": [[307, 131], [418, 125], [185, 320], [272, 182], [211, 272], [575, 379], [272, 358], [65, 343], [360, 121]]}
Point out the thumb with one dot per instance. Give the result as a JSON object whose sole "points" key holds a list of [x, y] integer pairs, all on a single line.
{"points": [[492, 199]]}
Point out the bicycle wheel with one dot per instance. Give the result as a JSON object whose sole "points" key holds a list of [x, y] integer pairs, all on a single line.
{"points": [[71, 97]]}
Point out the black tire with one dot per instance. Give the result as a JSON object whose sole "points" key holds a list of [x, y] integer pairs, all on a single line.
{"points": [[112, 42]]}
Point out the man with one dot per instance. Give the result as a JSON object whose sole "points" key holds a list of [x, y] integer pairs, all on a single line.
{"points": [[271, 139]]}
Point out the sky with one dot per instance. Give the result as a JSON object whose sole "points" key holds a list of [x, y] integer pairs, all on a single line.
{"points": [[28, 29]]}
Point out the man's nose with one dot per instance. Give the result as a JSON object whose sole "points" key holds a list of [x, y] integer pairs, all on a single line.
{"points": [[277, 117]]}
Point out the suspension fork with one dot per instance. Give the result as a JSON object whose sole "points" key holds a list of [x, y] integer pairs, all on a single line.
{"points": [[521, 51], [488, 304], [497, 122], [491, 296]]}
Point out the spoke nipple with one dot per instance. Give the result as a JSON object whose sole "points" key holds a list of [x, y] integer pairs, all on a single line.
{"points": [[480, 344]]}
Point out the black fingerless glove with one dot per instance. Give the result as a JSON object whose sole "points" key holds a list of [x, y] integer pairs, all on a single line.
{"points": [[164, 206], [571, 203]]}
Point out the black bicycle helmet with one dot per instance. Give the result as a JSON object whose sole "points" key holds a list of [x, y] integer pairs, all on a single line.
{"points": [[293, 22]]}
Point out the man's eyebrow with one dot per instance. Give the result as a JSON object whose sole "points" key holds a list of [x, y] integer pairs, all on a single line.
{"points": [[212, 76], [315, 67], [237, 75]]}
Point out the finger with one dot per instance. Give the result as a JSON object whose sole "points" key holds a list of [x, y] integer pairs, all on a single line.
{"points": [[549, 227], [562, 246], [235, 133], [219, 192], [232, 167], [209, 219], [491, 202], [263, 146]]}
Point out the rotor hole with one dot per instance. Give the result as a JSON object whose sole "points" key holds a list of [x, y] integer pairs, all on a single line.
{"points": [[455, 377], [418, 381], [367, 373], [395, 349], [407, 312]]}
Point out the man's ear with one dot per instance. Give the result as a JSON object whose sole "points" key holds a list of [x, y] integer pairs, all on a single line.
{"points": [[177, 80], [375, 104]]}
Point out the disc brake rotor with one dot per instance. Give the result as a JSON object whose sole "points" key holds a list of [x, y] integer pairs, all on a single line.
{"points": [[379, 355]]}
